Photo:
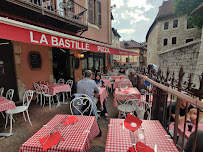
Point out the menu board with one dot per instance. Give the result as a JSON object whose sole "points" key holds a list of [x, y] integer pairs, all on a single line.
{"points": [[35, 60]]}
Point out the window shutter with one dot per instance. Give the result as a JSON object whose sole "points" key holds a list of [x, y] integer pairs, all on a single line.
{"points": [[99, 12], [91, 11]]}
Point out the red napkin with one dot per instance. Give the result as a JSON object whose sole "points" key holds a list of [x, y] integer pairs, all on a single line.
{"points": [[1, 100], [126, 92], [131, 149], [70, 120], [130, 120], [141, 147], [51, 141]]}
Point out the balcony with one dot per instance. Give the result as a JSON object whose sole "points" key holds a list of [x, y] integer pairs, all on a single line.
{"points": [[65, 16]]}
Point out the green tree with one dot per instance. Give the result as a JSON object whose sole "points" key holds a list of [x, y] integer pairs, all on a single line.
{"points": [[186, 7]]}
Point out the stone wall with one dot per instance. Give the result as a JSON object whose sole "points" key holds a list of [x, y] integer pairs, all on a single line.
{"points": [[185, 56]]}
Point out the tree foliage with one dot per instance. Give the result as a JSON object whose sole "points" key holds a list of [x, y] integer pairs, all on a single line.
{"points": [[186, 7]]}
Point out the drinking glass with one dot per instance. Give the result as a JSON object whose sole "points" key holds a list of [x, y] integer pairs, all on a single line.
{"points": [[141, 138]]}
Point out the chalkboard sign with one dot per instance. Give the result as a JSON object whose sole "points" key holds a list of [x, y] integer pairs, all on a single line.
{"points": [[76, 60], [35, 60]]}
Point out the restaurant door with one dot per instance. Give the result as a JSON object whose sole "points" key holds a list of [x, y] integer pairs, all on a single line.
{"points": [[7, 69], [63, 64]]}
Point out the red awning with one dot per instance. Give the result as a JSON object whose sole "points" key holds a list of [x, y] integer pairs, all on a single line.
{"points": [[23, 32]]}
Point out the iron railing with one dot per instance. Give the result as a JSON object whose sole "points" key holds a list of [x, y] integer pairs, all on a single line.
{"points": [[69, 10], [166, 89]]}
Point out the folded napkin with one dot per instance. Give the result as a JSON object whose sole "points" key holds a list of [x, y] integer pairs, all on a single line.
{"points": [[70, 120], [140, 147], [131, 149], [132, 123], [51, 141], [126, 92], [1, 100]]}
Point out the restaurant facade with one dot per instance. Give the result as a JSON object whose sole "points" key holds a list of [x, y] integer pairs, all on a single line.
{"points": [[43, 42]]}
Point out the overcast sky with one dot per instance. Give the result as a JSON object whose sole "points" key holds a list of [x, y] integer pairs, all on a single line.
{"points": [[132, 18]]}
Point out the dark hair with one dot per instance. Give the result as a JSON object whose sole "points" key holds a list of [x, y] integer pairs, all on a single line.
{"points": [[199, 145], [88, 73]]}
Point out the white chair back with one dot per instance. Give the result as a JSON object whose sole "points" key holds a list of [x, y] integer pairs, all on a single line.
{"points": [[27, 98], [122, 98], [142, 107], [9, 94], [125, 84], [70, 83], [81, 105], [61, 81], [1, 91], [44, 89]]}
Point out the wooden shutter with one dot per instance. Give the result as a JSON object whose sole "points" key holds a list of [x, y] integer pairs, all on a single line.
{"points": [[91, 11], [99, 13]]}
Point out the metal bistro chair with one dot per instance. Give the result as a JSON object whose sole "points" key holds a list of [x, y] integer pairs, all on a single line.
{"points": [[9, 94], [142, 108], [45, 92], [27, 97], [61, 81], [38, 92], [70, 83], [123, 105], [81, 106], [125, 84]]}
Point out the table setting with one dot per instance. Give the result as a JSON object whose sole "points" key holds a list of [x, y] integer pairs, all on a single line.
{"points": [[134, 135], [63, 133]]}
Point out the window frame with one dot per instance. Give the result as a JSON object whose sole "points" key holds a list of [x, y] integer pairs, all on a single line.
{"points": [[167, 41], [175, 40], [177, 23], [96, 12], [189, 39], [167, 27]]}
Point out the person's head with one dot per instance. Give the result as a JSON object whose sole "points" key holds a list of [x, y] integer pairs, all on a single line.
{"points": [[183, 104], [88, 73], [98, 77], [112, 69], [121, 69]]}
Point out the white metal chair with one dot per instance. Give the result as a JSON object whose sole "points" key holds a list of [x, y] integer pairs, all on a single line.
{"points": [[38, 92], [9, 94], [45, 92], [61, 81], [27, 97], [70, 83], [1, 91], [124, 106], [81, 106], [125, 84], [142, 108]]}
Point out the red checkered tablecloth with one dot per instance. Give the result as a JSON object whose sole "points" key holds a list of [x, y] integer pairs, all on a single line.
{"points": [[118, 77], [77, 138], [6, 104], [132, 91], [120, 140], [107, 82], [181, 128], [102, 95], [118, 81], [53, 89]]}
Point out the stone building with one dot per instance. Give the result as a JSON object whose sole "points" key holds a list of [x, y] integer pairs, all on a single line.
{"points": [[115, 42], [173, 42], [168, 31]]}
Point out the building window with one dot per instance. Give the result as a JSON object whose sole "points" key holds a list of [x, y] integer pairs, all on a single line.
{"points": [[174, 39], [165, 42], [94, 12], [175, 23], [188, 40], [189, 25], [166, 25]]}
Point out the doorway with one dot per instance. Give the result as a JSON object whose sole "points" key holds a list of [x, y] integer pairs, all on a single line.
{"points": [[7, 68]]}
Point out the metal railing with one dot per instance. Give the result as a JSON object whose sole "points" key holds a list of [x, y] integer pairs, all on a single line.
{"points": [[69, 10], [166, 90]]}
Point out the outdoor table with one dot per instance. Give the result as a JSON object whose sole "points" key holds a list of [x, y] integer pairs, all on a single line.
{"points": [[57, 88], [102, 95], [187, 133], [107, 82], [120, 140], [6, 104], [118, 81], [132, 91], [118, 77], [77, 136]]}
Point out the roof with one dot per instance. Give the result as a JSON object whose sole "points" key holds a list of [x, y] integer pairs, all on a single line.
{"points": [[130, 44], [198, 10], [165, 10], [115, 32]]}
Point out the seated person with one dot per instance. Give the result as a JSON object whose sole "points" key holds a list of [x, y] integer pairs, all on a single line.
{"points": [[122, 71], [148, 86], [112, 72], [199, 145], [99, 81]]}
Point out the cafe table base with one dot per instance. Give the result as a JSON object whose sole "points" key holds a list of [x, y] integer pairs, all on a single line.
{"points": [[121, 140], [77, 136]]}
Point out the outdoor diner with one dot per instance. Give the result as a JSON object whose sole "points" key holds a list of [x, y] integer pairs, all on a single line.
{"points": [[107, 107]]}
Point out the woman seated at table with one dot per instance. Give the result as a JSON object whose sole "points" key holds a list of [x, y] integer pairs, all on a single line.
{"points": [[112, 72], [122, 71], [100, 82]]}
